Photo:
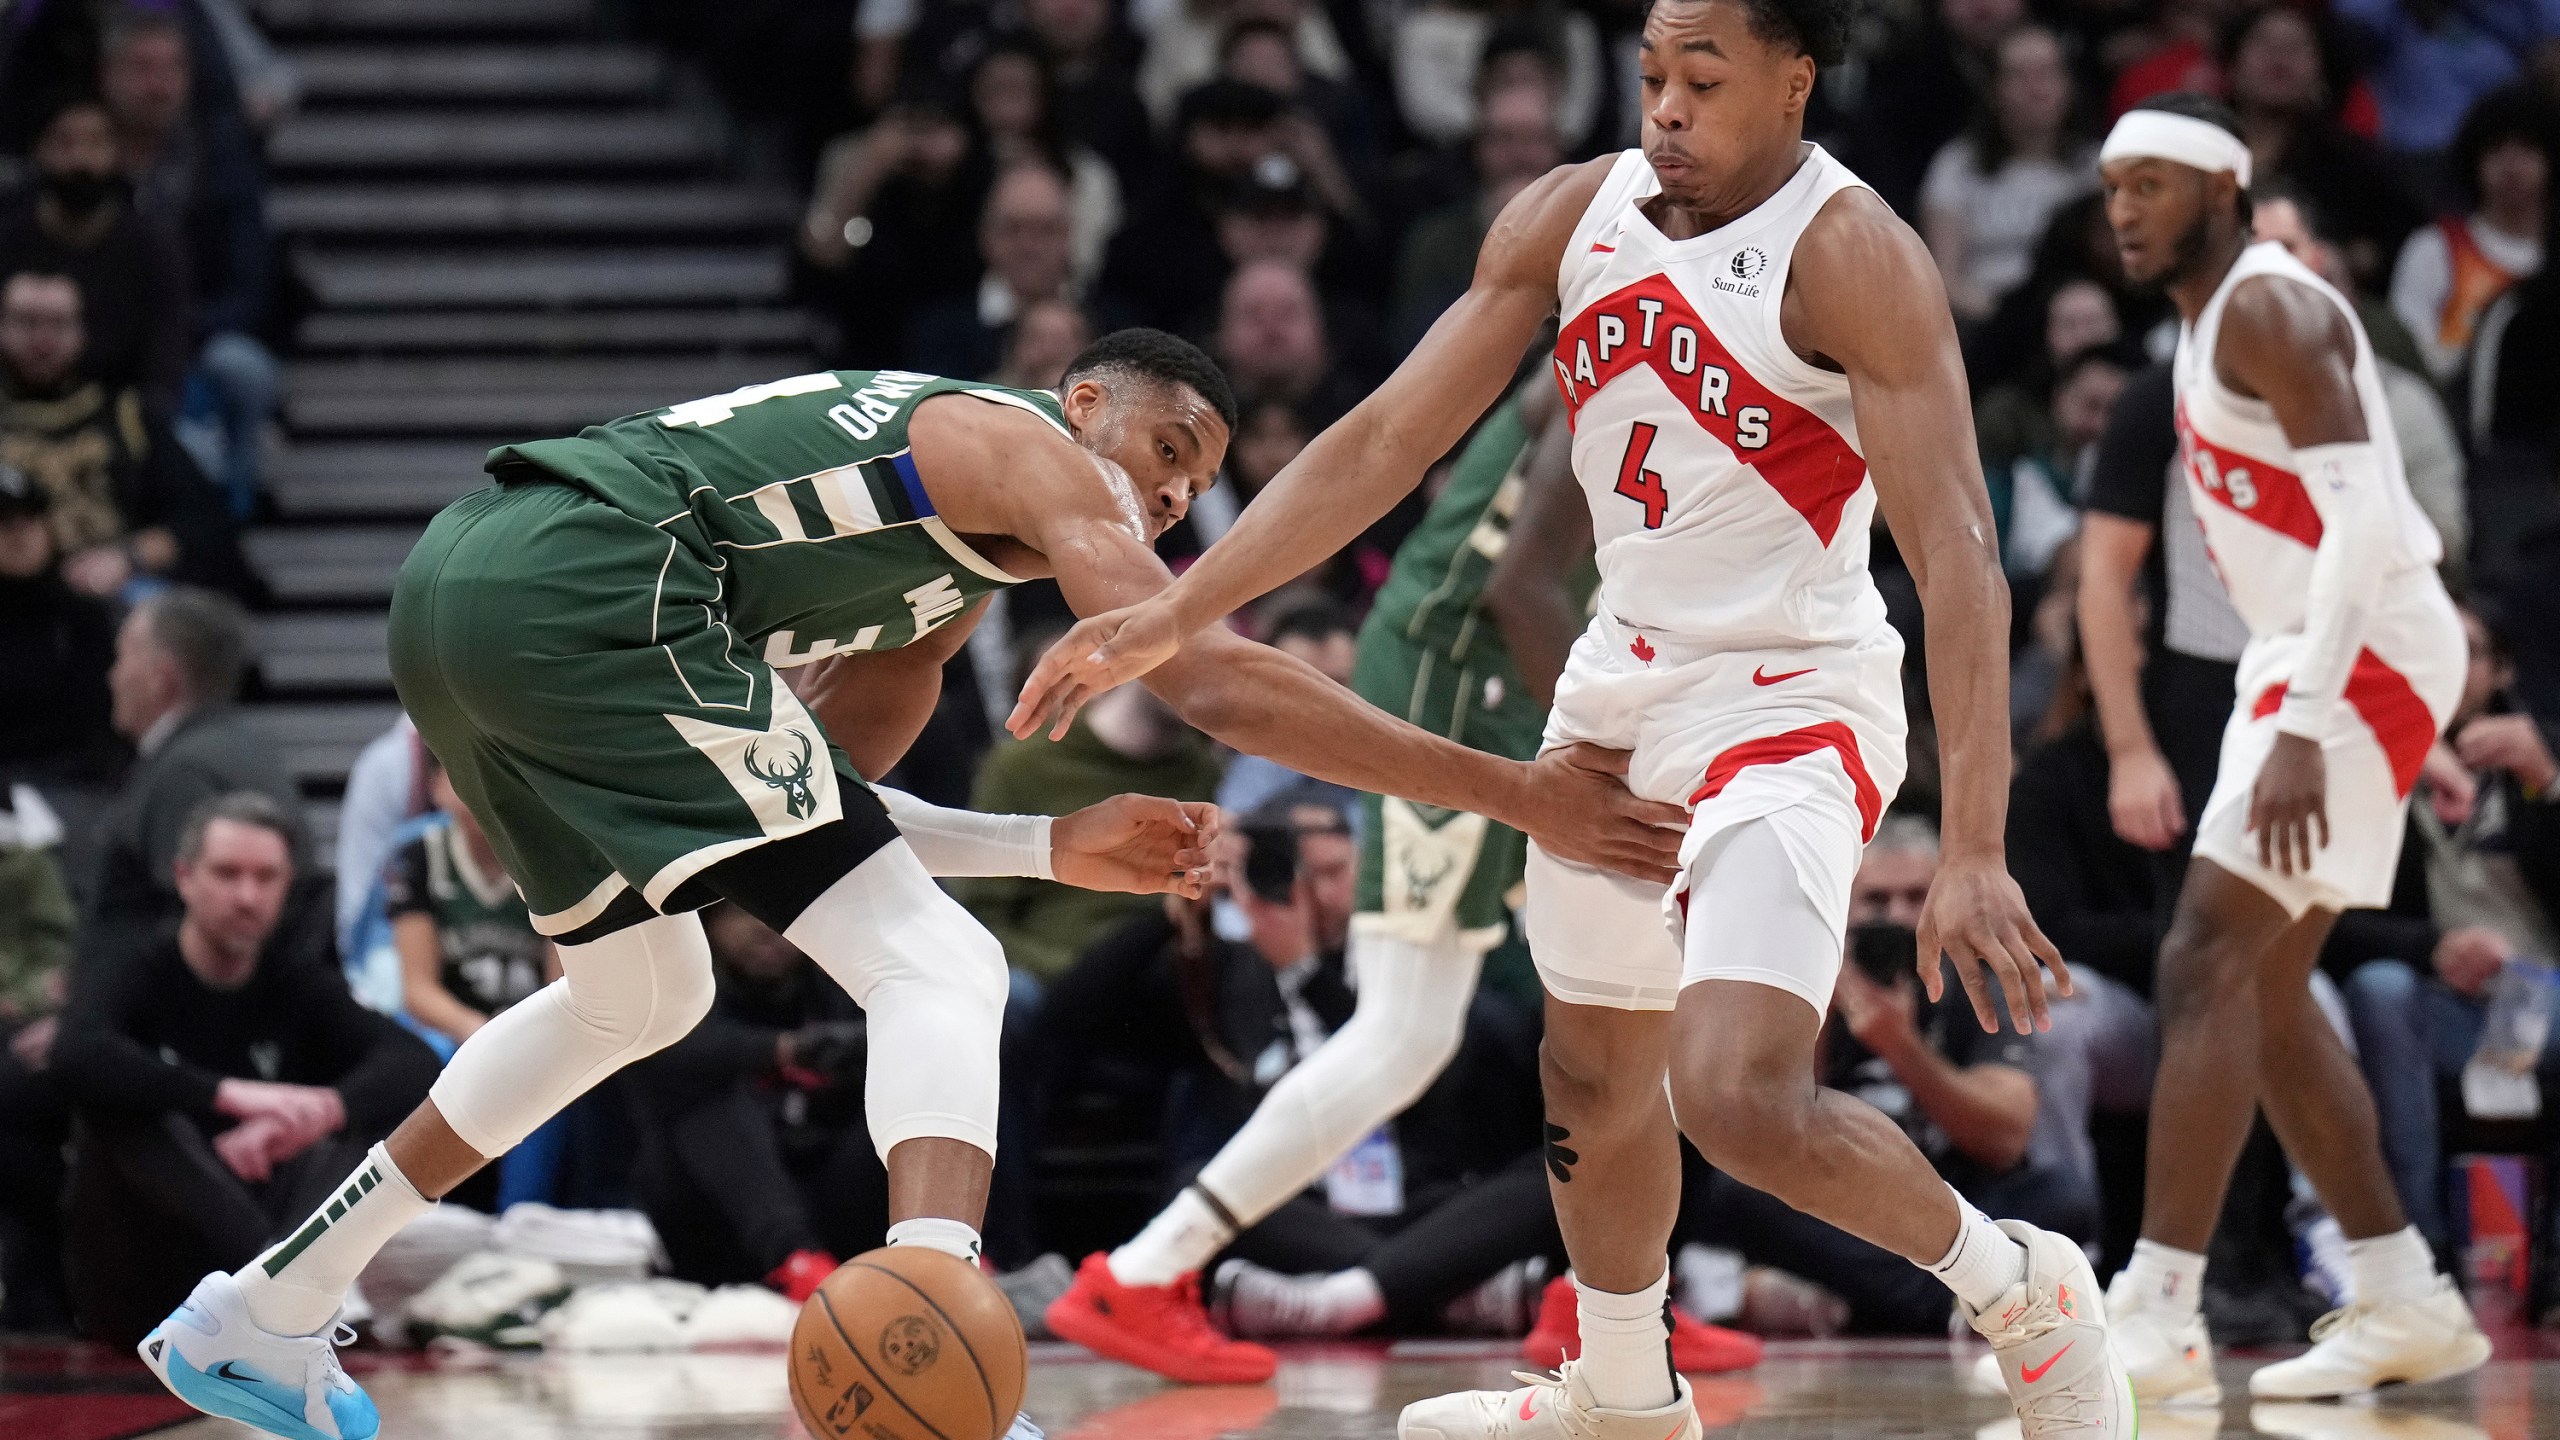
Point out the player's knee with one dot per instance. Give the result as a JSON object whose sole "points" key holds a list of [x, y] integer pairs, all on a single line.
{"points": [[684, 997], [1755, 1132], [1589, 1088], [2201, 972]]}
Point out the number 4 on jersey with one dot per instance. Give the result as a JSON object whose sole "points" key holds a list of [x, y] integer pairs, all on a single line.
{"points": [[1639, 484]]}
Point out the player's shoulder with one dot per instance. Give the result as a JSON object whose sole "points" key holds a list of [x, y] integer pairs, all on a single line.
{"points": [[1855, 237], [1528, 239]]}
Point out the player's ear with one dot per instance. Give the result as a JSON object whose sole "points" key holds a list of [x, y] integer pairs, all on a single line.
{"points": [[1084, 400], [1799, 83]]}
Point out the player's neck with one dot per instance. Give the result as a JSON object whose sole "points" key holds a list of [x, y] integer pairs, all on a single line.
{"points": [[1749, 189], [2192, 291]]}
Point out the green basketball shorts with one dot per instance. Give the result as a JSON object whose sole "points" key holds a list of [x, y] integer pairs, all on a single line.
{"points": [[1422, 868], [573, 668]]}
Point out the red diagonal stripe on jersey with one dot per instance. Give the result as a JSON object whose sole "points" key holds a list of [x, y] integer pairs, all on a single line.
{"points": [[1806, 461], [2246, 485], [1778, 749], [2389, 705]]}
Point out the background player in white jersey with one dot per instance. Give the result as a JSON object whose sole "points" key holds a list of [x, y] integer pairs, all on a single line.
{"points": [[1747, 332], [2354, 661]]}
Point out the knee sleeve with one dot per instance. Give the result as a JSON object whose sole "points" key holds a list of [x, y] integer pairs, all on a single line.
{"points": [[932, 983], [628, 994], [1410, 1016]]}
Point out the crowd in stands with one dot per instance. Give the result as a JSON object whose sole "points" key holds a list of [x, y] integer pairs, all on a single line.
{"points": [[1300, 186]]}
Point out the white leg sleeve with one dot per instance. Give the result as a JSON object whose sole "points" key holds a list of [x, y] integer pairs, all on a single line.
{"points": [[630, 994], [1411, 1014], [932, 982]]}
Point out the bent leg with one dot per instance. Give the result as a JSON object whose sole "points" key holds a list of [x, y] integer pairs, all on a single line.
{"points": [[2322, 1111]]}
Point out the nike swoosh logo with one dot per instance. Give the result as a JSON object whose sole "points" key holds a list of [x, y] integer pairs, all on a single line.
{"points": [[1529, 1406], [1760, 675], [224, 1371], [2033, 1373]]}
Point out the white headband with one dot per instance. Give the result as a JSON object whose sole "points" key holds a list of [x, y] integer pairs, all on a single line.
{"points": [[2161, 135]]}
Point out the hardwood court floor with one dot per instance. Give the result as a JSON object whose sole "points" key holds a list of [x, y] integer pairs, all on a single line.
{"points": [[1808, 1391]]}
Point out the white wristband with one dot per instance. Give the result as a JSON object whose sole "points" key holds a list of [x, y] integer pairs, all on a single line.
{"points": [[954, 843]]}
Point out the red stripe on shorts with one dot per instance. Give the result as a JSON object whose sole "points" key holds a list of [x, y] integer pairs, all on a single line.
{"points": [[1778, 749], [2401, 722]]}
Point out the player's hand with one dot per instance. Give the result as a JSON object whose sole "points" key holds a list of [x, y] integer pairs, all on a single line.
{"points": [[1110, 649], [249, 1148], [2289, 806], [1976, 916], [2468, 957], [1880, 1017], [1136, 845], [1576, 805], [2512, 743], [2143, 802]]}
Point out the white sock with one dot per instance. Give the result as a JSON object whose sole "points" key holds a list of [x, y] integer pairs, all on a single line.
{"points": [[1626, 1346], [2165, 1280], [1983, 1264], [935, 1233], [2392, 1267], [296, 1287], [1178, 1241]]}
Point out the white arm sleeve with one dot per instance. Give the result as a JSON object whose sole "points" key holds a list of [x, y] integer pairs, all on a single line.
{"points": [[965, 842], [2345, 484]]}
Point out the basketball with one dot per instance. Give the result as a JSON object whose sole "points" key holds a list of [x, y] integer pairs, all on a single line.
{"points": [[907, 1344]]}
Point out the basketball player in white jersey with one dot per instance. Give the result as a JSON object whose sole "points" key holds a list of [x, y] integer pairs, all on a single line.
{"points": [[1748, 336], [2355, 660]]}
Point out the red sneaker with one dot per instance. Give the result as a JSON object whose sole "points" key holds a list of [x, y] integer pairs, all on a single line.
{"points": [[799, 1276], [1697, 1348], [1154, 1327]]}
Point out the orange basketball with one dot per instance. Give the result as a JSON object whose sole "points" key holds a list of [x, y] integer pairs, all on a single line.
{"points": [[907, 1344]]}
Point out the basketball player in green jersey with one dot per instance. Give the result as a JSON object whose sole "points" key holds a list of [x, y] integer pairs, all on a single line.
{"points": [[595, 649]]}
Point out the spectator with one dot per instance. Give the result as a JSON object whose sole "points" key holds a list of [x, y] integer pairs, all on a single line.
{"points": [[2182, 40], [270, 85], [2450, 271], [53, 688], [1515, 142], [892, 226], [223, 1079], [2079, 248], [1265, 52], [197, 170], [1025, 236], [2013, 416], [1320, 631], [1015, 106], [2430, 454], [1274, 214], [383, 793], [2288, 76], [1188, 41], [180, 657], [1271, 338], [1126, 740], [2036, 489], [1093, 58], [78, 219], [35, 969], [467, 944], [1969, 1100], [2431, 62], [2488, 846], [1921, 90], [1044, 340], [1165, 266], [2093, 892], [1444, 50], [1268, 436], [753, 1159], [130, 512], [1990, 192]]}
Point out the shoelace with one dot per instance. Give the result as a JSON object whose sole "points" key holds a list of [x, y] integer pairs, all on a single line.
{"points": [[325, 1359], [1190, 1321], [2058, 1410], [2345, 1317], [1569, 1416]]}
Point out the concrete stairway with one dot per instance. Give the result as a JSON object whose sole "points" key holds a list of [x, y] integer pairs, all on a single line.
{"points": [[513, 226]]}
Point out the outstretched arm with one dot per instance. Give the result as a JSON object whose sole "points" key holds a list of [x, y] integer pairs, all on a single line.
{"points": [[1865, 295], [1357, 469], [2285, 343]]}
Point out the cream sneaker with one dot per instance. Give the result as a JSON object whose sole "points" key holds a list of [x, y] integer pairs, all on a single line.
{"points": [[2049, 1335], [2358, 1349], [1553, 1407]]}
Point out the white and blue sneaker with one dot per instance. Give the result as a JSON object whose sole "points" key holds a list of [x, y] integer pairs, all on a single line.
{"points": [[213, 1356]]}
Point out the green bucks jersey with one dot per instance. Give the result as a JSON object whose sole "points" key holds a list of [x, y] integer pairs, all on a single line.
{"points": [[803, 495]]}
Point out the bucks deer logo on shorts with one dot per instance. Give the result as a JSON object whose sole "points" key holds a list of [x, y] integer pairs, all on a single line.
{"points": [[1422, 873], [791, 779]]}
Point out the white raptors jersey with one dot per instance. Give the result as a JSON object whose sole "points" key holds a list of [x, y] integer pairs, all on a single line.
{"points": [[2257, 516], [1727, 489], [2263, 527]]}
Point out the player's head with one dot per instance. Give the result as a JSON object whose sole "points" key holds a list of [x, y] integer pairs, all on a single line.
{"points": [[2177, 185], [1159, 408], [1724, 83]]}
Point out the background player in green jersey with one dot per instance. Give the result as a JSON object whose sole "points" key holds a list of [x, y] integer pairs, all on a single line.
{"points": [[1466, 641], [595, 649]]}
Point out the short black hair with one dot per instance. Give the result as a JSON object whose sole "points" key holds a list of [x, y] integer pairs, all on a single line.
{"points": [[2511, 113], [1819, 28], [1155, 355]]}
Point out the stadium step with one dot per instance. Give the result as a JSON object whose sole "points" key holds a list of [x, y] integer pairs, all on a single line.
{"points": [[433, 141], [558, 332], [292, 20], [480, 396], [480, 212], [374, 479], [358, 279], [325, 651], [320, 740], [373, 75], [331, 564]]}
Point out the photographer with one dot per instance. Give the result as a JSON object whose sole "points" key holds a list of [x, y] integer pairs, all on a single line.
{"points": [[1970, 1101]]}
